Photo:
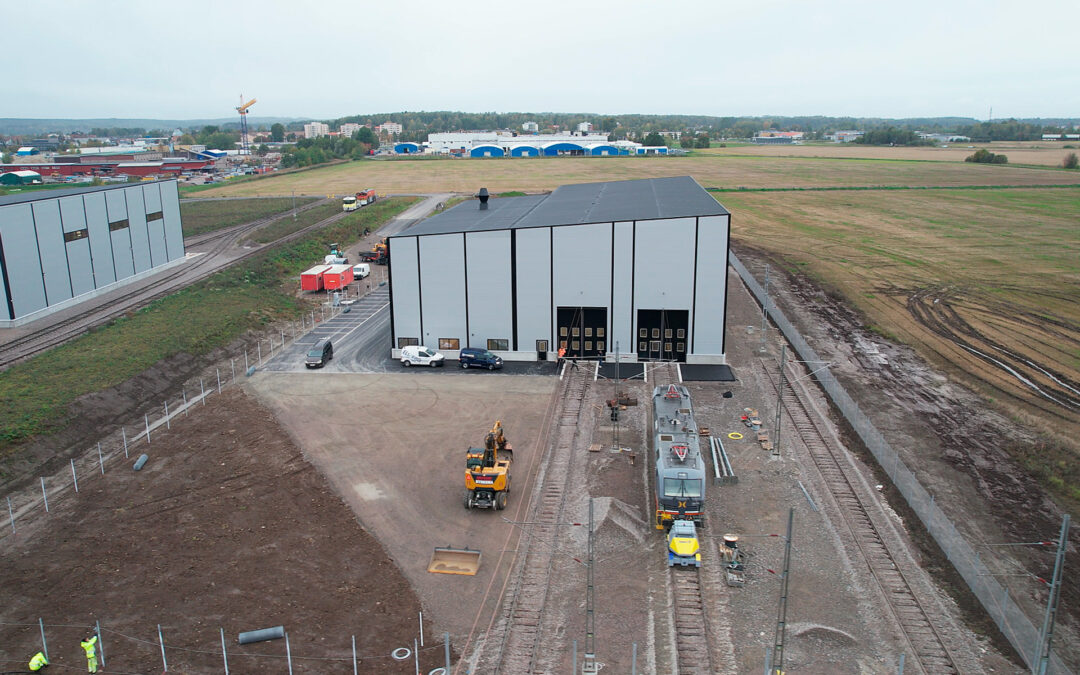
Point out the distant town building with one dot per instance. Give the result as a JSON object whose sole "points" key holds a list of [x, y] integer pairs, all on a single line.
{"points": [[773, 137], [316, 129], [27, 150], [530, 127], [508, 144], [844, 136], [671, 134], [943, 138], [350, 128], [584, 126], [392, 128]]}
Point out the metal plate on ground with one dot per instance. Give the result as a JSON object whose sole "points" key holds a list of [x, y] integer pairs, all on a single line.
{"points": [[454, 561]]}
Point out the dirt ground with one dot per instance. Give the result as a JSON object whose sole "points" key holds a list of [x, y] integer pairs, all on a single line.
{"points": [[226, 527]]}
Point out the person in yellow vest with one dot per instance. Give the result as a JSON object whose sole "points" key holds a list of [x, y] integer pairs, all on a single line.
{"points": [[37, 662], [89, 646]]}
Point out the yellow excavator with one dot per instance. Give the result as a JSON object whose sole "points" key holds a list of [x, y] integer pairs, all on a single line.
{"points": [[487, 471]]}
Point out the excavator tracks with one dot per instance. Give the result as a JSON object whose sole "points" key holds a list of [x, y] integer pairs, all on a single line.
{"points": [[518, 649]]}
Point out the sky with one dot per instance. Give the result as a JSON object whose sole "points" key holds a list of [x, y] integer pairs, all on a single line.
{"points": [[332, 58]]}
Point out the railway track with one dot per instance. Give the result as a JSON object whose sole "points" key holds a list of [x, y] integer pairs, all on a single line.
{"points": [[923, 626], [691, 630], [518, 649], [220, 254]]}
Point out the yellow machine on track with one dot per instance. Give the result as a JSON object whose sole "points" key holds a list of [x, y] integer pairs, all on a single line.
{"points": [[487, 472]]}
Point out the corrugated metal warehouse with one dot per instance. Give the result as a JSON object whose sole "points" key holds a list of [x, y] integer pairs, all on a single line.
{"points": [[61, 246], [641, 263]]}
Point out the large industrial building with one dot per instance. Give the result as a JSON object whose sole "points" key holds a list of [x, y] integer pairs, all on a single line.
{"points": [[62, 246], [637, 265]]}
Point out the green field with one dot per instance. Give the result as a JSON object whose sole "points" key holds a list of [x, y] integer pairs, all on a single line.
{"points": [[35, 395], [214, 214]]}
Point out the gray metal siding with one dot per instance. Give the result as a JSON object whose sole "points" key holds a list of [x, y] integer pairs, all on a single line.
{"points": [[101, 252], [151, 198], [50, 245], [21, 259], [170, 205], [442, 284], [664, 265], [489, 288], [621, 319], [708, 327], [405, 280], [140, 238], [80, 264], [116, 206], [534, 287], [582, 265]]}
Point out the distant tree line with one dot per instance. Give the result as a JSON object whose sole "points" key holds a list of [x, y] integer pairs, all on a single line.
{"points": [[312, 151], [984, 156]]}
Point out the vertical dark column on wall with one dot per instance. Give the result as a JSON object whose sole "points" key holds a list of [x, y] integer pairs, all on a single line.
{"points": [[551, 286], [633, 286], [389, 275], [465, 272], [608, 347], [727, 257], [419, 289], [86, 221], [7, 282], [513, 288], [693, 297]]}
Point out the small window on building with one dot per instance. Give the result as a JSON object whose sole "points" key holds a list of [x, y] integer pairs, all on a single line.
{"points": [[655, 333], [680, 346], [588, 345], [575, 345], [667, 346], [562, 331], [681, 334], [600, 332], [562, 344], [588, 331], [600, 346], [156, 215], [654, 346], [643, 333], [667, 333], [407, 342], [576, 332], [76, 235], [118, 225], [450, 343], [498, 345], [643, 346]]}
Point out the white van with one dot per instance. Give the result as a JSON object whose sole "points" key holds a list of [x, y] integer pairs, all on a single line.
{"points": [[361, 270], [420, 355]]}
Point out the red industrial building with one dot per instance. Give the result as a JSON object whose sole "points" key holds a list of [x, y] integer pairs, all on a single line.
{"points": [[164, 167]]}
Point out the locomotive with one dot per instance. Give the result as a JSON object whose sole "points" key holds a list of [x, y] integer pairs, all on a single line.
{"points": [[680, 468]]}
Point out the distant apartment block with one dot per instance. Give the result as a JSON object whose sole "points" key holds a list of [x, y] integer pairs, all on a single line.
{"points": [[844, 136], [530, 127], [350, 128], [389, 128], [584, 126], [316, 129]]}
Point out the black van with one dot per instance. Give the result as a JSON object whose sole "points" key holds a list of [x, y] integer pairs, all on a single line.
{"points": [[479, 358], [320, 352]]}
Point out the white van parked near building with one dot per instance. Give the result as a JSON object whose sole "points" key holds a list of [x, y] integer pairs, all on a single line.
{"points": [[361, 270], [420, 355]]}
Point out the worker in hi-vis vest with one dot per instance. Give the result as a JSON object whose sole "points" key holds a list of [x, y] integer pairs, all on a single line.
{"points": [[37, 662], [89, 646]]}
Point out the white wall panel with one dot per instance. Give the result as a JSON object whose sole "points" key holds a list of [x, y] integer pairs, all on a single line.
{"points": [[21, 259], [621, 316], [664, 264], [155, 228], [101, 253], [123, 261], [442, 288], [140, 238], [489, 288], [707, 331], [534, 287], [405, 288], [80, 265], [582, 265], [50, 245], [170, 206]]}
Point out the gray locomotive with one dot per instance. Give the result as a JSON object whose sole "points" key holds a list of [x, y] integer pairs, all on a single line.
{"points": [[680, 468]]}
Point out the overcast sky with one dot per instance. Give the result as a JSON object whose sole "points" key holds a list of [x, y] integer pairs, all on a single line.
{"points": [[332, 58]]}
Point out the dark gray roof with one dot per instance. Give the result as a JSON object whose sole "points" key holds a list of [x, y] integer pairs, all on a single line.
{"points": [[648, 199], [38, 195]]}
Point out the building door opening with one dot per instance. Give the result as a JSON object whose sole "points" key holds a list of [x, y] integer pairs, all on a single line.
{"points": [[541, 350], [582, 331], [662, 334]]}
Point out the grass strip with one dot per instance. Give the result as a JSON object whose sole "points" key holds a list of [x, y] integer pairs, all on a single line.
{"points": [[36, 395], [286, 226], [211, 215]]}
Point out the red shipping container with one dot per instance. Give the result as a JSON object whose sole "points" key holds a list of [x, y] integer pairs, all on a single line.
{"points": [[337, 277], [312, 280]]}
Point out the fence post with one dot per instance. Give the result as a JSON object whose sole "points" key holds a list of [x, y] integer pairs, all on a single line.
{"points": [[446, 649], [185, 401], [416, 656], [146, 419], [11, 514], [288, 653], [123, 432], [100, 459], [161, 642], [44, 645], [283, 338], [44, 496], [168, 423], [421, 629], [246, 366], [354, 671], [73, 477], [633, 660], [218, 371], [224, 655], [101, 644], [202, 391], [232, 364], [271, 341], [258, 347]]}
